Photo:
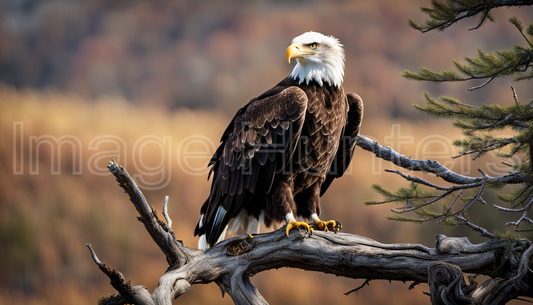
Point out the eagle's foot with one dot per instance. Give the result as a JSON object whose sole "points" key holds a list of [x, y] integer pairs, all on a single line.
{"points": [[332, 225], [293, 224]]}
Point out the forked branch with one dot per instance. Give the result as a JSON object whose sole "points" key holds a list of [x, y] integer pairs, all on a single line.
{"points": [[434, 167], [232, 262], [460, 182]]}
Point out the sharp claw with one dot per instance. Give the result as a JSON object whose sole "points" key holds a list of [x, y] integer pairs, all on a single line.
{"points": [[338, 227], [297, 225], [326, 225], [289, 227]]}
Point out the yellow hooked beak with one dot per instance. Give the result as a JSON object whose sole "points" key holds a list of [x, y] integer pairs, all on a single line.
{"points": [[296, 50]]}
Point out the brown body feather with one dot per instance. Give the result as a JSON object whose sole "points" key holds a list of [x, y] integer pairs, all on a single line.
{"points": [[280, 153]]}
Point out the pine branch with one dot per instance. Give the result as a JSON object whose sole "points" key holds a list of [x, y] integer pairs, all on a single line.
{"points": [[526, 208], [485, 66], [482, 85], [487, 117], [517, 197], [488, 66], [417, 199], [444, 13], [483, 232], [482, 145], [447, 217], [518, 24], [413, 194], [486, 15], [420, 207], [524, 216]]}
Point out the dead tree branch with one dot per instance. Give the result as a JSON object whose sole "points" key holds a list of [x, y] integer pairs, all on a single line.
{"points": [[233, 262], [460, 182], [434, 167]]}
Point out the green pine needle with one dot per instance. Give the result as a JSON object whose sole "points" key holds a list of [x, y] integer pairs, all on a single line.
{"points": [[404, 219], [476, 122], [529, 30], [413, 194], [449, 222], [517, 23]]}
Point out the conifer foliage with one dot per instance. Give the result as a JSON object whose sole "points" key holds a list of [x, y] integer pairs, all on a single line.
{"points": [[514, 62], [478, 124]]}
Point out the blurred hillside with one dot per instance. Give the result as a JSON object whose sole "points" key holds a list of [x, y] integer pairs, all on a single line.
{"points": [[219, 55], [153, 85]]}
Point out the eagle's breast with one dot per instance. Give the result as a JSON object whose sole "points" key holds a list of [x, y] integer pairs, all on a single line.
{"points": [[319, 140]]}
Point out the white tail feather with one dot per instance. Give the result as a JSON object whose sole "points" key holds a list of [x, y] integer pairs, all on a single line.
{"points": [[242, 220], [202, 243], [238, 222], [222, 235], [247, 222], [255, 224]]}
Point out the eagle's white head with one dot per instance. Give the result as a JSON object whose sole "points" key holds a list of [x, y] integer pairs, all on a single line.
{"points": [[320, 58]]}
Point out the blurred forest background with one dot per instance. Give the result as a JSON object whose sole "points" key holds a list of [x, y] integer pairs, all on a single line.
{"points": [[162, 79]]}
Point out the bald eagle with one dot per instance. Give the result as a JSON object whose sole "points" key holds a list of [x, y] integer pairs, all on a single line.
{"points": [[283, 149]]}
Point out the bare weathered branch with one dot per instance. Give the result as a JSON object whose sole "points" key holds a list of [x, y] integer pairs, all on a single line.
{"points": [[482, 231], [95, 258], [233, 262], [461, 183], [502, 290], [175, 252], [446, 284], [524, 216], [128, 294], [365, 283], [482, 85], [526, 208], [434, 167], [418, 180], [165, 213], [515, 96]]}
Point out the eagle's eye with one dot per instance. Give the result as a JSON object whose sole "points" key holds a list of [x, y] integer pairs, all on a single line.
{"points": [[314, 45]]}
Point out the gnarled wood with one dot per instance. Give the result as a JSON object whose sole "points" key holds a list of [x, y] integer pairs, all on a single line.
{"points": [[446, 284], [232, 262]]}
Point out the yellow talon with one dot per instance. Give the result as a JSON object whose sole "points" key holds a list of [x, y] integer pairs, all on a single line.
{"points": [[323, 225], [250, 235], [297, 225]]}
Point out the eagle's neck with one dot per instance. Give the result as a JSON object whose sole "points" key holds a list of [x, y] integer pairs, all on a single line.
{"points": [[329, 70]]}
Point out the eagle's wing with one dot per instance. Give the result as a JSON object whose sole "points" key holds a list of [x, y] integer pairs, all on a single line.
{"points": [[347, 141], [257, 144]]}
